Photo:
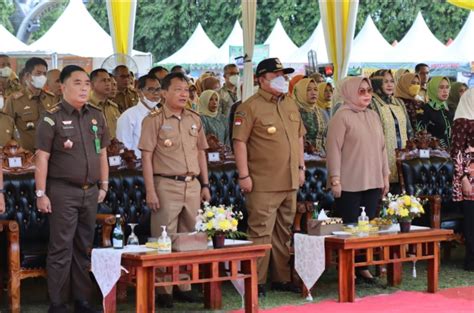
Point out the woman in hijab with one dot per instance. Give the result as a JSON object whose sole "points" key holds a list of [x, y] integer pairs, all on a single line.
{"points": [[457, 90], [437, 118], [407, 90], [325, 92], [398, 74], [305, 94], [214, 123], [210, 83], [462, 153], [393, 116], [356, 156], [193, 100]]}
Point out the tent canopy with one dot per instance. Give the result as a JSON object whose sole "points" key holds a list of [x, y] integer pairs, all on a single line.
{"points": [[419, 45], [281, 46], [315, 42], [370, 46], [235, 38], [195, 51], [10, 43], [462, 48], [76, 33]]}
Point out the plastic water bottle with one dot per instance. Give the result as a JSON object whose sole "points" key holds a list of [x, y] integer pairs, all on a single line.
{"points": [[117, 235]]}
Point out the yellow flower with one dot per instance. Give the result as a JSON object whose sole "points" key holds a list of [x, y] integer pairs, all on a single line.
{"points": [[209, 225], [209, 214], [406, 200], [220, 210], [390, 211], [234, 222], [404, 212], [224, 225]]}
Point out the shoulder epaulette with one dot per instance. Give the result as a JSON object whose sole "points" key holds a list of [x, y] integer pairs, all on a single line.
{"points": [[95, 106], [192, 111], [154, 112], [17, 95], [54, 109], [49, 93], [113, 103]]}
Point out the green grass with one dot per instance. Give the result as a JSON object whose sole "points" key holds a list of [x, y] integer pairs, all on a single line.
{"points": [[34, 294]]}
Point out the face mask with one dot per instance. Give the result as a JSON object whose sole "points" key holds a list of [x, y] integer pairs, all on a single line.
{"points": [[413, 90], [149, 103], [5, 72], [38, 81], [1, 102], [279, 84], [234, 80]]}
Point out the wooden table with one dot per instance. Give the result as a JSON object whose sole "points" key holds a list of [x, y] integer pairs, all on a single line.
{"points": [[203, 268], [392, 249]]}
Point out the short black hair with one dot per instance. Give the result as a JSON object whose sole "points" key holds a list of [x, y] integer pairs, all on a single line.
{"points": [[176, 68], [142, 80], [419, 66], [166, 83], [228, 66], [118, 67], [157, 69], [96, 72], [67, 72], [32, 62], [4, 56]]}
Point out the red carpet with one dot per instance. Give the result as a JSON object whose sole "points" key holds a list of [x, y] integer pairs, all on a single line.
{"points": [[456, 300]]}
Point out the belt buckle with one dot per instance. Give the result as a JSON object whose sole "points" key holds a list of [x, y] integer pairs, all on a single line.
{"points": [[85, 187], [188, 179]]}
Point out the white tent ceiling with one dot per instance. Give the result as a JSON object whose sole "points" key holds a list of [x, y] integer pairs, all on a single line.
{"points": [[281, 46], [235, 38], [76, 33], [9, 43], [196, 50], [462, 48], [370, 46], [419, 45], [315, 42]]}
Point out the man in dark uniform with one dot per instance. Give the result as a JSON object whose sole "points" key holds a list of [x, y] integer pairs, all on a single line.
{"points": [[71, 178], [26, 106]]}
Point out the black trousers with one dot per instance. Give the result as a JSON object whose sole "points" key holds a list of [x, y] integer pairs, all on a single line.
{"points": [[71, 234], [348, 207], [468, 209]]}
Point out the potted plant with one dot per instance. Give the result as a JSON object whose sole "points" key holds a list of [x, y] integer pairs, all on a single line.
{"points": [[219, 222], [403, 208]]}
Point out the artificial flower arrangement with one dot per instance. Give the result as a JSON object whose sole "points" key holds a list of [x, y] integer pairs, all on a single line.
{"points": [[403, 208], [219, 219]]}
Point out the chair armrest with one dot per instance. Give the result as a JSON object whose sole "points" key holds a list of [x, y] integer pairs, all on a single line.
{"points": [[12, 231], [435, 210], [107, 221]]}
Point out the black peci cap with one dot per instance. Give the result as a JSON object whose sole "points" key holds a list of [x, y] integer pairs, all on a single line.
{"points": [[272, 65]]}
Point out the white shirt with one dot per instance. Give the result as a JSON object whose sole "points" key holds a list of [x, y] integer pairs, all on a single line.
{"points": [[129, 127]]}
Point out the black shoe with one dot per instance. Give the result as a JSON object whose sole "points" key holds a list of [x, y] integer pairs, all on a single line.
{"points": [[285, 287], [164, 301], [58, 308], [81, 306], [187, 296], [261, 290]]}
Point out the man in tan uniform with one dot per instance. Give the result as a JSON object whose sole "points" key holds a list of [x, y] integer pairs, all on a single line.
{"points": [[126, 96], [101, 88], [172, 143], [268, 144], [7, 129], [9, 82], [228, 92], [26, 106]]}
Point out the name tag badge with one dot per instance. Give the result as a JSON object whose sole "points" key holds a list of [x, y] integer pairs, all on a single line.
{"points": [[115, 160], [15, 162], [424, 154], [214, 157]]}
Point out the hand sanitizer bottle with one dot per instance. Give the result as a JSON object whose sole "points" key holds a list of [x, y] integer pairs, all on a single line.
{"points": [[164, 242], [363, 223]]}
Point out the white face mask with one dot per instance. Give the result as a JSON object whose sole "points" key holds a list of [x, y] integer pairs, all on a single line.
{"points": [[279, 84], [234, 80], [38, 81], [1, 102], [5, 71], [149, 103]]}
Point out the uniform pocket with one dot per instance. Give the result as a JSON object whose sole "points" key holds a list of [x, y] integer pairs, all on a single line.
{"points": [[168, 140], [267, 120], [294, 116]]}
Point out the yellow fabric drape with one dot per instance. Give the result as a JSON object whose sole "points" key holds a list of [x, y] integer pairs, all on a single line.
{"points": [[122, 24], [465, 4], [339, 19]]}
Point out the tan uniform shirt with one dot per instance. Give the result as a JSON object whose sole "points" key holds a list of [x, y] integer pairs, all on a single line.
{"points": [[111, 112], [7, 129], [25, 109], [175, 141], [13, 85], [68, 135], [227, 99], [126, 99], [271, 128]]}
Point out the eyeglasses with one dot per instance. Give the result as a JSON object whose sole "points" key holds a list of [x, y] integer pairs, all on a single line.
{"points": [[363, 92], [153, 90]]}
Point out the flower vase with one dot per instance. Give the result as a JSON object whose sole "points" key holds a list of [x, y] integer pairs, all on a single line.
{"points": [[218, 240], [405, 226]]}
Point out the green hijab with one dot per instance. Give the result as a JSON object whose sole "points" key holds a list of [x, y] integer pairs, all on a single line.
{"points": [[454, 96], [432, 90]]}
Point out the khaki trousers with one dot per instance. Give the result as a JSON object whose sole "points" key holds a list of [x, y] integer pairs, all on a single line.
{"points": [[270, 217], [179, 205]]}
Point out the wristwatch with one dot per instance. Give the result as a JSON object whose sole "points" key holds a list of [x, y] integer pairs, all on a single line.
{"points": [[39, 193]]}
